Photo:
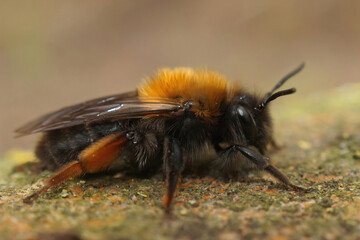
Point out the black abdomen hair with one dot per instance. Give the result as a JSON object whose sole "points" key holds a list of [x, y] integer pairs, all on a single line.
{"points": [[59, 147]]}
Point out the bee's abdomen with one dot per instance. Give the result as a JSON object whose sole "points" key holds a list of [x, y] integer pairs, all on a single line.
{"points": [[59, 147]]}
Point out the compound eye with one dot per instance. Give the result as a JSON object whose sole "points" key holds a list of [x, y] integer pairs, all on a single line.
{"points": [[247, 122]]}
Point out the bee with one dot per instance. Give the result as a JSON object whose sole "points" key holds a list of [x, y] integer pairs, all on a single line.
{"points": [[168, 124]]}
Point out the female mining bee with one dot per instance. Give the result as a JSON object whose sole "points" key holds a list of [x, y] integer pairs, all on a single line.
{"points": [[168, 124]]}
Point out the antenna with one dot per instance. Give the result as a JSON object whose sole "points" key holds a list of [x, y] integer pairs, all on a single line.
{"points": [[270, 96]]}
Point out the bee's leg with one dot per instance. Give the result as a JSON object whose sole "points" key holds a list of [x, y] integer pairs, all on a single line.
{"points": [[282, 178], [173, 166], [92, 159], [262, 162], [71, 170]]}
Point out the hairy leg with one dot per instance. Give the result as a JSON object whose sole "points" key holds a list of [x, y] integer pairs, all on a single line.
{"points": [[95, 158], [263, 163], [173, 166]]}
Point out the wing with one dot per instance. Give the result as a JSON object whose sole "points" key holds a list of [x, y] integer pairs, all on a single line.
{"points": [[117, 107]]}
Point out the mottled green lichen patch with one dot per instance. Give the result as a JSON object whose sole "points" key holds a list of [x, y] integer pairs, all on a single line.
{"points": [[320, 147]]}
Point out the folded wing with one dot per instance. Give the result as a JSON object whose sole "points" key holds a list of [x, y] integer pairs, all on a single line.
{"points": [[117, 107]]}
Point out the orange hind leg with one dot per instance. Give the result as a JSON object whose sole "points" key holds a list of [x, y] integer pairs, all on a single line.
{"points": [[95, 158], [173, 166]]}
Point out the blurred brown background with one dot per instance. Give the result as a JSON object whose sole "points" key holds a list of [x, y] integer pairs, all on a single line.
{"points": [[54, 54]]}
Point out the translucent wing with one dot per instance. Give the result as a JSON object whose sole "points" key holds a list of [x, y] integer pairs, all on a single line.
{"points": [[117, 107]]}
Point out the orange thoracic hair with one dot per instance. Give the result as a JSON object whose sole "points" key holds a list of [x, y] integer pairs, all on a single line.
{"points": [[208, 90]]}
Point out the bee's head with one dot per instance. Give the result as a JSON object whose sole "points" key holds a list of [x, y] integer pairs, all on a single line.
{"points": [[247, 117]]}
